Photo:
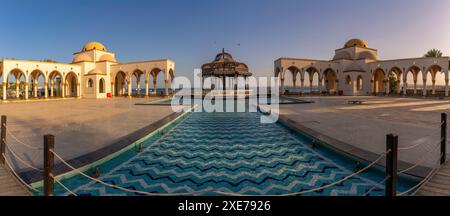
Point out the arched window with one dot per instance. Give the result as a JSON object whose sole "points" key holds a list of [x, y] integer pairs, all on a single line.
{"points": [[90, 83], [359, 83], [348, 80], [101, 86]]}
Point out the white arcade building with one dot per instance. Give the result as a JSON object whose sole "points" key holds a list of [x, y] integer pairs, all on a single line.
{"points": [[356, 70], [93, 73]]}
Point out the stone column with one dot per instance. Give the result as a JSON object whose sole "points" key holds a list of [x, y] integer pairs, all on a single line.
{"points": [[446, 87], [166, 87], [52, 86], [129, 88], [293, 83], [405, 86], [4, 90], [386, 86], [79, 89], [302, 85], [415, 86], [282, 86], [146, 87], [138, 85], [320, 85], [26, 90], [45, 89], [424, 91], [398, 87], [113, 90], [154, 87], [433, 86], [310, 86], [35, 88], [17, 89], [63, 89]]}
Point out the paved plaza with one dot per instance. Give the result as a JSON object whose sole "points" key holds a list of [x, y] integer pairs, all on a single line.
{"points": [[416, 121], [80, 126]]}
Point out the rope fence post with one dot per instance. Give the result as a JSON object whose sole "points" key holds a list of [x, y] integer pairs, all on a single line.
{"points": [[391, 164], [443, 137], [3, 140], [49, 144]]}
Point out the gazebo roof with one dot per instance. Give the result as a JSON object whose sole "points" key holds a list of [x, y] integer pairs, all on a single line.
{"points": [[225, 65]]}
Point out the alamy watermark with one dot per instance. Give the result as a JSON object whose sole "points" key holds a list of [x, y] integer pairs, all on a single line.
{"points": [[230, 94]]}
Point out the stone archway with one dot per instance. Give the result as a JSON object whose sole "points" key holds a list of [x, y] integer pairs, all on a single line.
{"points": [[330, 80], [120, 83], [378, 81], [71, 85]]}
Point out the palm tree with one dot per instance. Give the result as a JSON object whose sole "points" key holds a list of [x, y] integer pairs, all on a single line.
{"points": [[434, 53]]}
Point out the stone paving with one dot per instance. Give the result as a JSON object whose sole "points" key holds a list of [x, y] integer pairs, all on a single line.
{"points": [[80, 126], [415, 121]]}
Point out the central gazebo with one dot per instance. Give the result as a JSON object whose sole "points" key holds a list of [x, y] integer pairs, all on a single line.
{"points": [[223, 67]]}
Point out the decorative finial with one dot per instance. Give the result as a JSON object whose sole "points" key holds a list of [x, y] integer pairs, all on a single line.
{"points": [[223, 50]]}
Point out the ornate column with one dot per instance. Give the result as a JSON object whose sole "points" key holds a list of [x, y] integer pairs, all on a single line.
{"points": [[26, 90], [424, 91]]}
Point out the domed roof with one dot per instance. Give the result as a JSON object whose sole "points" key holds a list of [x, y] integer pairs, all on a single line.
{"points": [[224, 57], [356, 43], [81, 58], [94, 45], [107, 57]]}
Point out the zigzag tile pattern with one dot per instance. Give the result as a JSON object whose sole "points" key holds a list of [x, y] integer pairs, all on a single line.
{"points": [[231, 152]]}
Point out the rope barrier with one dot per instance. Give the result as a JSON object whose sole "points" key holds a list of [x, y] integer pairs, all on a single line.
{"points": [[420, 183], [17, 175], [314, 189], [22, 160], [418, 144], [63, 186], [375, 186], [122, 188], [419, 162], [20, 142]]}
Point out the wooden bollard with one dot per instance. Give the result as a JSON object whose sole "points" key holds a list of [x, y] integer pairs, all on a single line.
{"points": [[391, 165], [49, 144], [3, 139]]}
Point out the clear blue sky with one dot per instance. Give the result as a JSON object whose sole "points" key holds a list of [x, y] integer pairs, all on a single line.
{"points": [[191, 32]]}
